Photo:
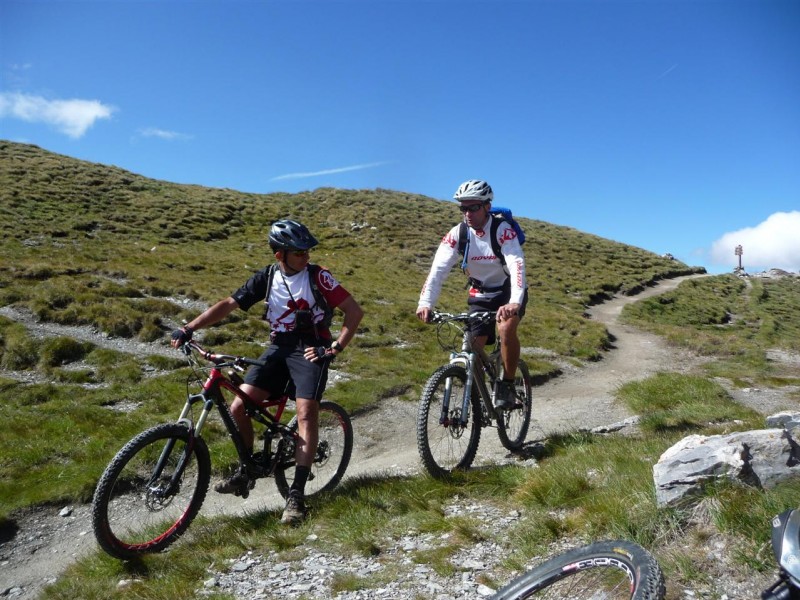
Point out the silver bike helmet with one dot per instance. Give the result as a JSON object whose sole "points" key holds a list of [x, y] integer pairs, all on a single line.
{"points": [[290, 235], [474, 189]]}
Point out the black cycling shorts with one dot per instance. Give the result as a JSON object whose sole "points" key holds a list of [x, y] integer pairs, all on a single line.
{"points": [[288, 372], [492, 304]]}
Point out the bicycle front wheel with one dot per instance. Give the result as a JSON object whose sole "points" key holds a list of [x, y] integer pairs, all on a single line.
{"points": [[151, 491], [610, 570], [333, 452], [444, 441], [513, 423]]}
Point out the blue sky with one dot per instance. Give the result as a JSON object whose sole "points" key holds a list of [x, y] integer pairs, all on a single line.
{"points": [[671, 125]]}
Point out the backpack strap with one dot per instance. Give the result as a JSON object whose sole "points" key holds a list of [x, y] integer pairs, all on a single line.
{"points": [[463, 244], [270, 278], [496, 220], [319, 299]]}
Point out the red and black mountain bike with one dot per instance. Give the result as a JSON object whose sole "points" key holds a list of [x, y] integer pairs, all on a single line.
{"points": [[154, 487]]}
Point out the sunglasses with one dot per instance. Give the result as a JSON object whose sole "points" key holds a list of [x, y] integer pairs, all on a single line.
{"points": [[471, 208], [298, 252]]}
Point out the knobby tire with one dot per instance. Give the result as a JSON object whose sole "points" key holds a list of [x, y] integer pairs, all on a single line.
{"points": [[512, 424], [332, 456], [134, 513], [445, 445], [611, 570]]}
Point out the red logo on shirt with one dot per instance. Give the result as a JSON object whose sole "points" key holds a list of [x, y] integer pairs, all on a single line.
{"points": [[508, 234], [327, 281]]}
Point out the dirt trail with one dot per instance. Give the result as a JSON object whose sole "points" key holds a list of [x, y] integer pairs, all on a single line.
{"points": [[49, 539]]}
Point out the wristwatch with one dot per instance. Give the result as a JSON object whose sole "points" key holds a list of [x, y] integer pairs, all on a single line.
{"points": [[335, 345]]}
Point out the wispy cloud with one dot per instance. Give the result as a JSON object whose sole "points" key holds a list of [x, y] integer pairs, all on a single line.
{"points": [[163, 134], [668, 71], [71, 117], [773, 243], [307, 174]]}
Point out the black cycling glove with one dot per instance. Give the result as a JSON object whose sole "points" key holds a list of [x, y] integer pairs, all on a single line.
{"points": [[183, 335], [323, 352]]}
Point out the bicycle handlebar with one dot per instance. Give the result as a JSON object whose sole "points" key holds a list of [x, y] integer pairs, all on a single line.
{"points": [[464, 317], [220, 359]]}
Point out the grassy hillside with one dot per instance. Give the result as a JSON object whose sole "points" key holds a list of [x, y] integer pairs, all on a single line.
{"points": [[96, 246], [78, 235], [91, 245]]}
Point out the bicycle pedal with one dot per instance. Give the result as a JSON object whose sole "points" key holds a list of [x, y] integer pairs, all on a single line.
{"points": [[244, 490]]}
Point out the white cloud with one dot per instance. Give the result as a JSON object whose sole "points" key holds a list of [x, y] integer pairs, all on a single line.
{"points": [[328, 171], [71, 117], [163, 134], [774, 243]]}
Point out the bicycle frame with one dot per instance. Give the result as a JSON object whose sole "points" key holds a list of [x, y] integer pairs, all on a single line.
{"points": [[467, 358], [211, 396]]}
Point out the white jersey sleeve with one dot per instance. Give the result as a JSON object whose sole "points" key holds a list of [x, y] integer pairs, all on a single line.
{"points": [[515, 261], [443, 261]]}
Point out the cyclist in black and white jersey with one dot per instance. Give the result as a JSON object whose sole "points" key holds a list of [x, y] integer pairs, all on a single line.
{"points": [[298, 330], [495, 283]]}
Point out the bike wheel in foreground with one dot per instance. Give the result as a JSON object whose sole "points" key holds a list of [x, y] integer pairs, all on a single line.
{"points": [[444, 443], [333, 452], [608, 570], [151, 491], [513, 423]]}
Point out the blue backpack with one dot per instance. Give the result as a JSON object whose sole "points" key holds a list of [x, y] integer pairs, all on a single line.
{"points": [[499, 214]]}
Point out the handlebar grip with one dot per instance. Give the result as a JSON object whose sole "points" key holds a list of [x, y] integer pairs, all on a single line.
{"points": [[253, 362]]}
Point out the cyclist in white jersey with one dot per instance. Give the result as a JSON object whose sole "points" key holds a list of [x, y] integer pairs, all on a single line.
{"points": [[492, 285]]}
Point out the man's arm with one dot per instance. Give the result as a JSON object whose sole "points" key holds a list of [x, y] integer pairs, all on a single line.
{"points": [[353, 314], [211, 315], [515, 262], [443, 261], [352, 317]]}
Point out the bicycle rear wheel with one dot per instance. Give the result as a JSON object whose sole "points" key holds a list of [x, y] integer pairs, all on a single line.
{"points": [[333, 452], [444, 443], [610, 570], [151, 491], [513, 423]]}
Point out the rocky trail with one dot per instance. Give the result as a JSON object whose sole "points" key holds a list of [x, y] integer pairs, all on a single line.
{"points": [[46, 540]]}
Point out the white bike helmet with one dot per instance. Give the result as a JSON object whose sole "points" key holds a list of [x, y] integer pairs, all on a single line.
{"points": [[474, 189]]}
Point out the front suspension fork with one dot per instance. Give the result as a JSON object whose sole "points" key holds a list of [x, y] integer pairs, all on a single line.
{"points": [[177, 474]]}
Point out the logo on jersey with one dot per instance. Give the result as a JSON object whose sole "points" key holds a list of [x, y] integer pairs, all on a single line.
{"points": [[327, 281], [449, 240], [509, 233]]}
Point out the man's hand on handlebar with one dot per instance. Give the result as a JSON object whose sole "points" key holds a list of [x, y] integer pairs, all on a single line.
{"points": [[181, 336], [424, 314]]}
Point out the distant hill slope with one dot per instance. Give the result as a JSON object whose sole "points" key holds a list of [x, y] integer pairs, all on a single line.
{"points": [[77, 235]]}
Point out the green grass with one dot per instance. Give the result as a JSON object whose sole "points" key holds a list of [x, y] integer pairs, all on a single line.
{"points": [[131, 251], [669, 401], [128, 247], [738, 321]]}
